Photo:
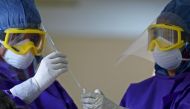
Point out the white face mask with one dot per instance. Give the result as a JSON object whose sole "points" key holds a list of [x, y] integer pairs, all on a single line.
{"points": [[18, 61], [169, 60]]}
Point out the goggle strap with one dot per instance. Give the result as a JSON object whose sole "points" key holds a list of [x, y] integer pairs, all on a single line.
{"points": [[185, 36], [2, 35]]}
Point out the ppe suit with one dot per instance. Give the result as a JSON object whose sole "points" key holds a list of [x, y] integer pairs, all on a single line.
{"points": [[20, 15], [164, 90]]}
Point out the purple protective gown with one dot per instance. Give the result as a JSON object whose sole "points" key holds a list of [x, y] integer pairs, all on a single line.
{"points": [[159, 92], [54, 97]]}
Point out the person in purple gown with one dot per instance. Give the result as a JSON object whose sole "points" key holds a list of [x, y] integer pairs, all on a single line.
{"points": [[27, 80], [169, 88]]}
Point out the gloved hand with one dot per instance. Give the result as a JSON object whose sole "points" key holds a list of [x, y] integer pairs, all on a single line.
{"points": [[49, 69], [97, 100]]}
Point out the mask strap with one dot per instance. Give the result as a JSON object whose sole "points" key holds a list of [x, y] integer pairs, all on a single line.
{"points": [[185, 59]]}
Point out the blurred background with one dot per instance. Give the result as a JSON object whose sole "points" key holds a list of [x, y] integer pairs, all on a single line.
{"points": [[93, 34]]}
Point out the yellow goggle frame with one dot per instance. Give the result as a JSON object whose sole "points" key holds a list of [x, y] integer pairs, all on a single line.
{"points": [[154, 42], [35, 50]]}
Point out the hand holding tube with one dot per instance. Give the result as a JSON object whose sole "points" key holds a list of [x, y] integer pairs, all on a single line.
{"points": [[97, 100], [49, 69]]}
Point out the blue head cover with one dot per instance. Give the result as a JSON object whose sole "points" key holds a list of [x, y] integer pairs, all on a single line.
{"points": [[18, 14], [177, 12]]}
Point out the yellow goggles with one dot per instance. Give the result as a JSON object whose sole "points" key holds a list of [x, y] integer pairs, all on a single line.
{"points": [[20, 41], [165, 37]]}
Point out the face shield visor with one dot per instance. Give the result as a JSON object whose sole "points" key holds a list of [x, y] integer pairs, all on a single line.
{"points": [[163, 37]]}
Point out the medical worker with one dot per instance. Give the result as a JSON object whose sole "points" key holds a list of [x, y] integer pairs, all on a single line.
{"points": [[168, 40], [26, 78]]}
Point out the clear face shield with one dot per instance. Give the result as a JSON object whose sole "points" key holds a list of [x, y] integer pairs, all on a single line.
{"points": [[160, 43], [51, 47]]}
